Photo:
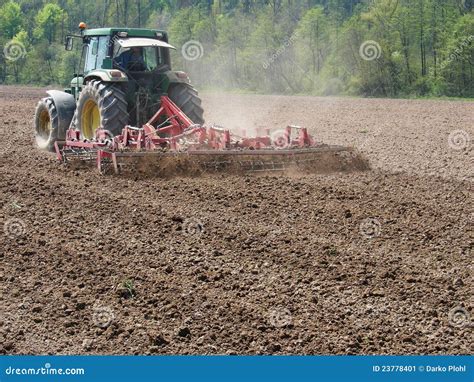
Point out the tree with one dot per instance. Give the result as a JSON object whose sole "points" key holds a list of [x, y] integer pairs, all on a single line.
{"points": [[458, 69], [48, 21], [11, 19], [17, 53], [313, 33]]}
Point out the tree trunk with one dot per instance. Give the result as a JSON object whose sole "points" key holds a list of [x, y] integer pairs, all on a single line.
{"points": [[139, 10], [422, 39]]}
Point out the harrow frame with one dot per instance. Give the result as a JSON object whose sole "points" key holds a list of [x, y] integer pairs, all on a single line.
{"points": [[170, 132]]}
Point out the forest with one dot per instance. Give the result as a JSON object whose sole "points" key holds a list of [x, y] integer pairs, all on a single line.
{"points": [[370, 48]]}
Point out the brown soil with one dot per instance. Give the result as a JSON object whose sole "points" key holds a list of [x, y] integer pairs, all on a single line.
{"points": [[168, 165], [361, 262]]}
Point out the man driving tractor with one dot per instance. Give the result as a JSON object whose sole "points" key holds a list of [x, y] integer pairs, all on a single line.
{"points": [[131, 59]]}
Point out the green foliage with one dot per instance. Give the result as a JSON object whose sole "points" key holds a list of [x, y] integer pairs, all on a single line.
{"points": [[48, 20], [422, 47], [313, 34], [456, 69], [128, 287], [11, 19]]}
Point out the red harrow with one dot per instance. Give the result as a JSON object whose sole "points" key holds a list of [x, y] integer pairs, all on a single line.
{"points": [[170, 133]]}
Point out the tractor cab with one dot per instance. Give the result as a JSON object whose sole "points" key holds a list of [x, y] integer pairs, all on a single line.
{"points": [[104, 52], [106, 49], [132, 51], [138, 54]]}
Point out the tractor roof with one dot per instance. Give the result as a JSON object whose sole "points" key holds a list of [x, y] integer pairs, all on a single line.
{"points": [[132, 32]]}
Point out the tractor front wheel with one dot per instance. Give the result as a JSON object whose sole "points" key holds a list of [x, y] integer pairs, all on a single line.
{"points": [[101, 105], [187, 99], [46, 124]]}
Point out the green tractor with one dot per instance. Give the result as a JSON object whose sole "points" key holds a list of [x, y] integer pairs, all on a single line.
{"points": [[122, 74]]}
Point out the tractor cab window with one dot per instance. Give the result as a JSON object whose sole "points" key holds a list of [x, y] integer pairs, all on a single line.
{"points": [[83, 58], [103, 51], [95, 53], [150, 57], [146, 58], [91, 56]]}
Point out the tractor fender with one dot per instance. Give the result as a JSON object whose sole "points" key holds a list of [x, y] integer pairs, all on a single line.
{"points": [[105, 75], [175, 78], [65, 105]]}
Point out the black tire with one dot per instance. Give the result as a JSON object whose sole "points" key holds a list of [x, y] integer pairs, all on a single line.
{"points": [[111, 105], [46, 124], [187, 99]]}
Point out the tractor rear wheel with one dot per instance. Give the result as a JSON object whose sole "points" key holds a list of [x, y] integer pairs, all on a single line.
{"points": [[101, 105], [187, 99], [46, 124]]}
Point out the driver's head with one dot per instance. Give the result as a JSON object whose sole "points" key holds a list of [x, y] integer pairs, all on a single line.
{"points": [[136, 50]]}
